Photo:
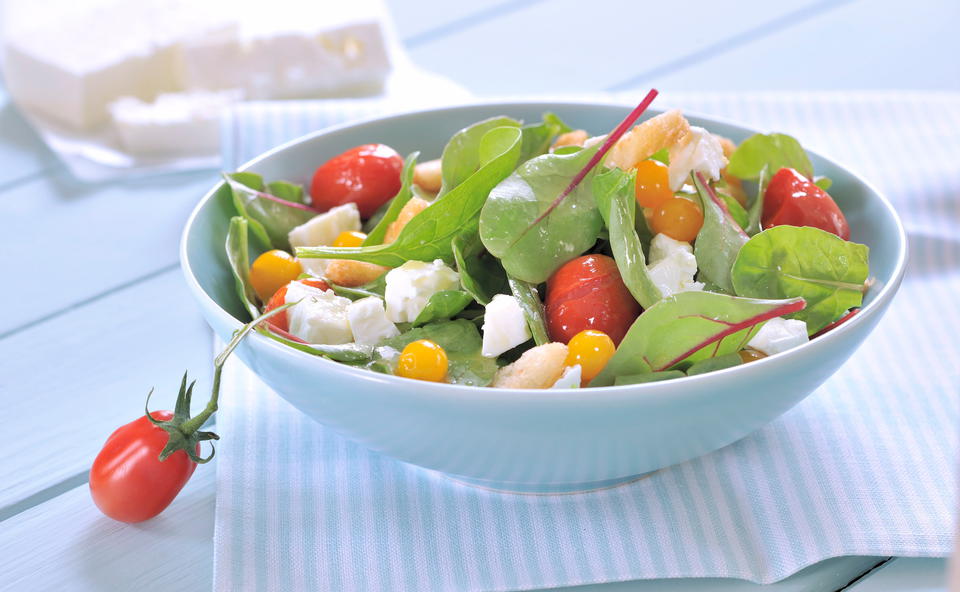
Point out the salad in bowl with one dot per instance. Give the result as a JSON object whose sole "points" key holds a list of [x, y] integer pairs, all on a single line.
{"points": [[539, 255]]}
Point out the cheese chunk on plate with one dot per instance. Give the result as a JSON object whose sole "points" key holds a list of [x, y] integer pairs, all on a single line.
{"points": [[410, 286], [322, 230]]}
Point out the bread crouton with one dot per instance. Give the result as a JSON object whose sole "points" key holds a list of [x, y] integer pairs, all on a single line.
{"points": [[537, 368], [727, 145], [574, 138], [667, 130], [427, 176], [352, 274], [411, 209]]}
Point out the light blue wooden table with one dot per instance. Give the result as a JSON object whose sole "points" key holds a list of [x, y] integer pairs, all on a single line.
{"points": [[95, 310]]}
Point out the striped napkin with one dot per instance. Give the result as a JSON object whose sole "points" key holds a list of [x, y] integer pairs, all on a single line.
{"points": [[864, 466]]}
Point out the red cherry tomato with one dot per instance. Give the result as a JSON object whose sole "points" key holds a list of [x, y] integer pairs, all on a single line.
{"points": [[279, 297], [128, 481], [588, 293], [367, 175], [792, 199]]}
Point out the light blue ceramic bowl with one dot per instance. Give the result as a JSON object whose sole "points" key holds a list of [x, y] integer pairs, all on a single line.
{"points": [[533, 440]]}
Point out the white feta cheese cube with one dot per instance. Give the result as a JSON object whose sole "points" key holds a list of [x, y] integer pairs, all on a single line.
{"points": [[504, 326], [320, 317], [701, 153], [368, 321], [673, 266], [778, 335], [321, 231], [410, 286], [571, 377]]}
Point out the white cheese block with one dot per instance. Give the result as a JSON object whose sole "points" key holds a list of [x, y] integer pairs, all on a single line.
{"points": [[662, 246], [504, 326], [410, 286], [368, 321], [701, 153], [174, 124], [673, 266], [778, 335], [320, 317], [321, 231], [571, 377]]}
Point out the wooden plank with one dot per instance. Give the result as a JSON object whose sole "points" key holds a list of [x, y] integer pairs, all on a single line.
{"points": [[862, 45], [69, 382], [22, 152], [66, 544], [86, 240], [906, 575], [566, 46]]}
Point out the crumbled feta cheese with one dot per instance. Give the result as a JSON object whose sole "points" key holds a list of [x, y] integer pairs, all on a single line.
{"points": [[673, 266], [321, 231], [410, 286], [504, 326], [320, 317], [368, 321], [778, 335], [702, 153], [572, 375]]}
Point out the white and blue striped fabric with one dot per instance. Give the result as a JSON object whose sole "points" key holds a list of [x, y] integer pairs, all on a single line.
{"points": [[864, 466]]}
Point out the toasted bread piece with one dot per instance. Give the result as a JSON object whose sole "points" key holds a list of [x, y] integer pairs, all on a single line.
{"points": [[537, 368], [352, 274], [727, 145], [411, 209], [427, 175], [735, 185], [574, 138], [668, 130]]}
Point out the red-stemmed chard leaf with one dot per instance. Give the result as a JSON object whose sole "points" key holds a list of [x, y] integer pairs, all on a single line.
{"points": [[688, 327], [270, 216], [846, 317], [720, 238]]}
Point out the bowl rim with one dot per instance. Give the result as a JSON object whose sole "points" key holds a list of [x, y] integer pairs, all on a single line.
{"points": [[556, 395]]}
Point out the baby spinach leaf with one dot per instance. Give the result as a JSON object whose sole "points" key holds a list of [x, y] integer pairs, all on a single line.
{"points": [[461, 156], [481, 274], [379, 231], [538, 137], [790, 261], [720, 238], [614, 194], [442, 306], [662, 155], [347, 353], [238, 254], [736, 210], [688, 327], [771, 152], [823, 182], [271, 218], [648, 377], [714, 364], [518, 226], [529, 299], [430, 233], [288, 192], [461, 340]]}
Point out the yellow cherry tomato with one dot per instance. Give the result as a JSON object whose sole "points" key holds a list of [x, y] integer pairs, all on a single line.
{"points": [[272, 271], [592, 350], [751, 355], [653, 183], [423, 360], [678, 218], [349, 238]]}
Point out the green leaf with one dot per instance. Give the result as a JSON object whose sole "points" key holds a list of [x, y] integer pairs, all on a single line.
{"points": [[789, 261], [347, 353], [443, 305], [377, 234], [461, 156], [271, 218], [461, 340], [529, 299], [518, 226], [238, 254], [719, 240], [662, 155], [429, 234], [736, 210], [538, 137], [714, 364], [771, 152], [648, 377], [823, 182], [614, 194], [375, 288], [481, 274], [688, 327], [288, 192]]}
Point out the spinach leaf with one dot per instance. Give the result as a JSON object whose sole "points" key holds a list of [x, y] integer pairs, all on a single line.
{"points": [[288, 192], [790, 261], [720, 238], [688, 327], [430, 233], [823, 182], [461, 340], [374, 288], [662, 155], [524, 226], [461, 156], [736, 210], [271, 218], [238, 254], [714, 364], [614, 194], [529, 299], [442, 306], [379, 231], [648, 377], [481, 274], [538, 137], [347, 353]]}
